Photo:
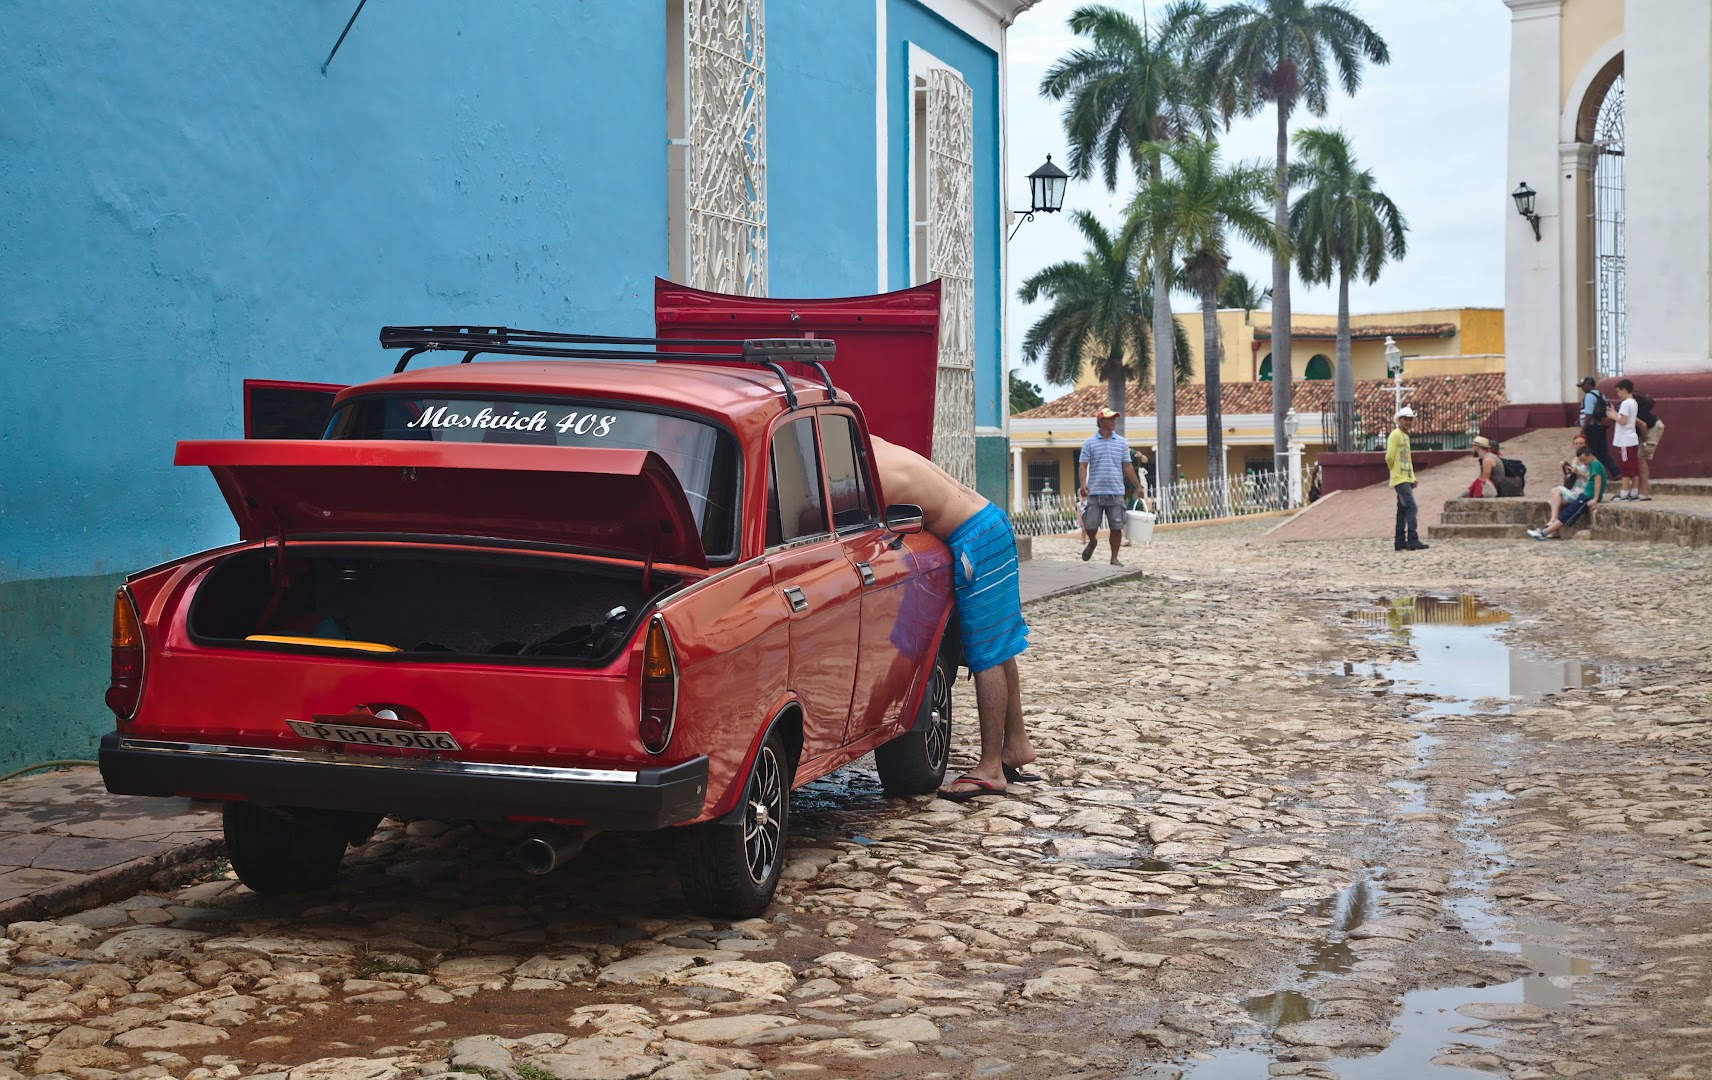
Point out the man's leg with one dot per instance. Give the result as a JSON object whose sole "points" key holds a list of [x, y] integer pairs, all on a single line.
{"points": [[1410, 514], [1403, 501], [1018, 749], [992, 694], [1117, 542]]}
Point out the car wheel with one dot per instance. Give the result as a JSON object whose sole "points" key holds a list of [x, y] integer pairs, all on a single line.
{"points": [[286, 850], [730, 869], [914, 762]]}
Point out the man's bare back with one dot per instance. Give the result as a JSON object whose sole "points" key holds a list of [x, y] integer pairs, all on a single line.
{"points": [[910, 478]]}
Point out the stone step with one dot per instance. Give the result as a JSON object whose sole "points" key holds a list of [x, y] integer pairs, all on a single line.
{"points": [[1495, 512], [1682, 487], [1477, 532]]}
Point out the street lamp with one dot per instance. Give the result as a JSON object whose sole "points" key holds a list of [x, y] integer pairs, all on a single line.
{"points": [[1293, 424], [1524, 196], [1393, 357], [1045, 192]]}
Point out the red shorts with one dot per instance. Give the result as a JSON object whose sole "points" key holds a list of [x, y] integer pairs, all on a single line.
{"points": [[1628, 460]]}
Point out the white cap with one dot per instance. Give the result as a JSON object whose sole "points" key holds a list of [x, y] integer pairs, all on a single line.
{"points": [[1406, 411]]}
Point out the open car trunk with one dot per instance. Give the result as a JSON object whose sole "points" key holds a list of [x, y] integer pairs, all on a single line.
{"points": [[422, 604]]}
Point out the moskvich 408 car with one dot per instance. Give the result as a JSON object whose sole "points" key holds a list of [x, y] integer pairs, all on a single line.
{"points": [[560, 590]]}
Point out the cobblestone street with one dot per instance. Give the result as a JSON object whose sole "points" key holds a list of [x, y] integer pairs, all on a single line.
{"points": [[1257, 848]]}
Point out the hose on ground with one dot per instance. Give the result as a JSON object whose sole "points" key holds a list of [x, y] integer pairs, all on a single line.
{"points": [[58, 763]]}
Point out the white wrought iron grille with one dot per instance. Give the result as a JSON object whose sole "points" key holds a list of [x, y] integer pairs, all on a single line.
{"points": [[725, 177], [1610, 322], [951, 258]]}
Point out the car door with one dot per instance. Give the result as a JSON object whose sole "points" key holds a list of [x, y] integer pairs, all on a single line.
{"points": [[888, 648], [820, 586]]}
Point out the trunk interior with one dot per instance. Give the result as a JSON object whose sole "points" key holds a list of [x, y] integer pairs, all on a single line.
{"points": [[427, 605]]}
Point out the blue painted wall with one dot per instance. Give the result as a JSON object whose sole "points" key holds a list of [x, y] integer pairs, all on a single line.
{"points": [[908, 22], [187, 201], [821, 199]]}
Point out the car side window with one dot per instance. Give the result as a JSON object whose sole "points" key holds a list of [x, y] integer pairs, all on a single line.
{"points": [[847, 483], [796, 507]]}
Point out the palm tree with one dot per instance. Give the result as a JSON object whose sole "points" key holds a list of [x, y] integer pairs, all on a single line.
{"points": [[1342, 224], [1098, 315], [1130, 88], [1188, 213], [1285, 52], [1242, 291]]}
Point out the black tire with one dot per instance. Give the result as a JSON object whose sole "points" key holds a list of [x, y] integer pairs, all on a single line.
{"points": [[914, 762], [730, 869], [286, 850]]}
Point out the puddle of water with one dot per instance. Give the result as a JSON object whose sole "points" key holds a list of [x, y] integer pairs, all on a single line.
{"points": [[1460, 658], [1347, 910], [1283, 1007], [1423, 1029]]}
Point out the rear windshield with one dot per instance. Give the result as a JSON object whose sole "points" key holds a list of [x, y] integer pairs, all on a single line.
{"points": [[703, 456]]}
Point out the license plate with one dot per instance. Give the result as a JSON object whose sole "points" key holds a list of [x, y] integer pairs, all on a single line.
{"points": [[374, 736]]}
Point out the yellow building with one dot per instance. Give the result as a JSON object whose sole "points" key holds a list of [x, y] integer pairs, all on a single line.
{"points": [[1440, 341]]}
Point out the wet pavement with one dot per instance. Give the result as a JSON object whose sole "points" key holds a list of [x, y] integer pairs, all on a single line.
{"points": [[1244, 860]]}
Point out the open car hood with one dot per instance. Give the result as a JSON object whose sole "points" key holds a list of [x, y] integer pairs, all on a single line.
{"points": [[621, 502]]}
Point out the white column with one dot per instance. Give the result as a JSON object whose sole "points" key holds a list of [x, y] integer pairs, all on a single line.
{"points": [[1016, 478], [1667, 172], [1533, 269]]}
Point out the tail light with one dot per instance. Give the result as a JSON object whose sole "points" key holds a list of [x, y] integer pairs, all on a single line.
{"points": [[125, 685], [659, 689]]}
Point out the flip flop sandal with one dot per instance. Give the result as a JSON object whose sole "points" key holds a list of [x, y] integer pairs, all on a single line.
{"points": [[1014, 775], [982, 788]]}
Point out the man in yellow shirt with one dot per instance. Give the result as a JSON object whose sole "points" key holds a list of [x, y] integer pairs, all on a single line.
{"points": [[1402, 466]]}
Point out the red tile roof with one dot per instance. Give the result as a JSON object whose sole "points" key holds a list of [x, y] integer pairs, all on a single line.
{"points": [[1484, 392], [1363, 333]]}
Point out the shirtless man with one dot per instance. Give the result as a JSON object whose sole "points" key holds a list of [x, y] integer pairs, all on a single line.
{"points": [[989, 609]]}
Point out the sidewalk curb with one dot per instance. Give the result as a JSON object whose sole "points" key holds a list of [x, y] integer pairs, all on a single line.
{"points": [[106, 886], [1085, 586]]}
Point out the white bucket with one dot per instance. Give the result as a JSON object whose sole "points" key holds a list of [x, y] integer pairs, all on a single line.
{"points": [[1138, 526]]}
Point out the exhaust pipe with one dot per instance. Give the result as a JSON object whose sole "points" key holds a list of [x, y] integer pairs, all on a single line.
{"points": [[548, 849]]}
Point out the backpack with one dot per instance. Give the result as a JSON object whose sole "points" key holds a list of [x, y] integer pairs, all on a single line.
{"points": [[1597, 417], [1513, 479]]}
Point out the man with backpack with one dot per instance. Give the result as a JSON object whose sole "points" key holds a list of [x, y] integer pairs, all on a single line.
{"points": [[1595, 424], [1499, 477]]}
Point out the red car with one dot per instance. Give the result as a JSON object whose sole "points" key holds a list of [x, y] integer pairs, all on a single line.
{"points": [[575, 594]]}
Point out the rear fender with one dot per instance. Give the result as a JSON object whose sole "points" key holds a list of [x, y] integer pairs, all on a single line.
{"points": [[787, 720], [950, 653]]}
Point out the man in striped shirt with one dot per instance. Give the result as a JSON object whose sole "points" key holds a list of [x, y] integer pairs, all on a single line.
{"points": [[1104, 465]]}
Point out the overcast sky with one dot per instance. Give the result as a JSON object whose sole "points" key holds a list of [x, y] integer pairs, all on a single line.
{"points": [[1430, 125]]}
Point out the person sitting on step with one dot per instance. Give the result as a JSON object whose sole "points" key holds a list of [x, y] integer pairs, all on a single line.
{"points": [[1567, 505]]}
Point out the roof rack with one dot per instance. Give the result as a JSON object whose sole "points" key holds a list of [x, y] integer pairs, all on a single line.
{"points": [[475, 340]]}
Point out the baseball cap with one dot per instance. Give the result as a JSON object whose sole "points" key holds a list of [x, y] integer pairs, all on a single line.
{"points": [[1588, 381], [1406, 411], [1103, 413]]}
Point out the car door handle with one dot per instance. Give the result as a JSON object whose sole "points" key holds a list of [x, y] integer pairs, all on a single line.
{"points": [[867, 573], [799, 602]]}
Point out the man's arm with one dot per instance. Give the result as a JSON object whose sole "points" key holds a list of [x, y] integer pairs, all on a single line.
{"points": [[1130, 475], [1595, 486], [1391, 446], [1082, 478], [1486, 464]]}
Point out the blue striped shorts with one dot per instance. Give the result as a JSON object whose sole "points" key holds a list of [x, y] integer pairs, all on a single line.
{"points": [[989, 601]]}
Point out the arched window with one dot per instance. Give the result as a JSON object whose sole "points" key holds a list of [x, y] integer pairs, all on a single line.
{"points": [[1318, 368], [1266, 369], [1609, 317]]}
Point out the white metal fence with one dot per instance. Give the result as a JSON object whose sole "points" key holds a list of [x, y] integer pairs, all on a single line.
{"points": [[1053, 513]]}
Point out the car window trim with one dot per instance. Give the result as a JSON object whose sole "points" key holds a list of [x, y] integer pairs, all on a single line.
{"points": [[813, 420], [862, 464]]}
